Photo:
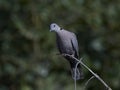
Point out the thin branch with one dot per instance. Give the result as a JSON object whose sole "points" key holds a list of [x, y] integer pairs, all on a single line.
{"points": [[75, 71], [89, 80], [75, 81], [100, 79]]}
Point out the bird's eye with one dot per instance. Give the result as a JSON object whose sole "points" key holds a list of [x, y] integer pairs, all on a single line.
{"points": [[53, 25]]}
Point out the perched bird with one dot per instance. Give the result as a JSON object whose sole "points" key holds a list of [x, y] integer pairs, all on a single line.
{"points": [[67, 44]]}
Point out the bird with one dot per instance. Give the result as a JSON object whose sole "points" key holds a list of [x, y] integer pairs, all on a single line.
{"points": [[67, 44]]}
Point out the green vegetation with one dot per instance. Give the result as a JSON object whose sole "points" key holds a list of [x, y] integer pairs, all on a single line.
{"points": [[28, 59]]}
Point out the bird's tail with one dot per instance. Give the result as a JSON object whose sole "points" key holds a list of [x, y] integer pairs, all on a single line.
{"points": [[77, 73]]}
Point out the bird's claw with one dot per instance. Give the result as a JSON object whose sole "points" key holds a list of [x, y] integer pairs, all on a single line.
{"points": [[63, 54]]}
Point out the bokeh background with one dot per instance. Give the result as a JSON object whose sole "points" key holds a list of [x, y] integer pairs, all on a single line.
{"points": [[28, 59]]}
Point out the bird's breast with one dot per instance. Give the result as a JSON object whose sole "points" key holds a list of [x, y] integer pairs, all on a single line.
{"points": [[65, 46]]}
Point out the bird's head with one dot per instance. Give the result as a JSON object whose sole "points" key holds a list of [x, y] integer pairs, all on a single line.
{"points": [[54, 27]]}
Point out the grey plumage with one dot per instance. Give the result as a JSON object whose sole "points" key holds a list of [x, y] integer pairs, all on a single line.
{"points": [[67, 44]]}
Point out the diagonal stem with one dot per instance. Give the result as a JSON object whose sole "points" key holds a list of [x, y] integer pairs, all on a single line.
{"points": [[100, 79]]}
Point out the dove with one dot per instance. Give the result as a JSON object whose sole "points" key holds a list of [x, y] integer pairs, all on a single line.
{"points": [[67, 44]]}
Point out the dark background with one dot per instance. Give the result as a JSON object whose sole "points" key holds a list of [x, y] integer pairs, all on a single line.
{"points": [[28, 59]]}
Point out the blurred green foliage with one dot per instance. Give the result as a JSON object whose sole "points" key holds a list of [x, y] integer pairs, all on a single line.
{"points": [[28, 59]]}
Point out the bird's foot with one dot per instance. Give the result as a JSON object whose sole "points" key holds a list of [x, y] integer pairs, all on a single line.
{"points": [[64, 54], [72, 55]]}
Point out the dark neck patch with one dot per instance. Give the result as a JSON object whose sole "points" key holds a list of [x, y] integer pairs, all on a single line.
{"points": [[61, 28]]}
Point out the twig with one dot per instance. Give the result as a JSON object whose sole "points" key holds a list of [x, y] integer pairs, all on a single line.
{"points": [[89, 80], [75, 80], [75, 71], [100, 79]]}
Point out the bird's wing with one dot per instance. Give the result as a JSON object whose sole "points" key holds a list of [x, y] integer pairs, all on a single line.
{"points": [[75, 45]]}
